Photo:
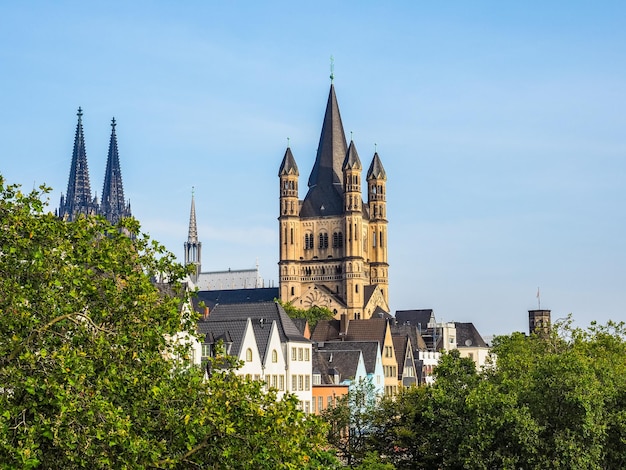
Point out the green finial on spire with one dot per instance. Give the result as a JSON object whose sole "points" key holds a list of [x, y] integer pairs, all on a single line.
{"points": [[351, 139], [332, 69], [193, 191], [375, 147], [288, 142]]}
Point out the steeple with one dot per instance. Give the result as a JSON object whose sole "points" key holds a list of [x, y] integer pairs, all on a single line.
{"points": [[325, 196], [193, 247], [113, 206], [78, 199], [288, 165], [376, 170]]}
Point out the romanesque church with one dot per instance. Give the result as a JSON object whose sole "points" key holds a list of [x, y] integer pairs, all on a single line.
{"points": [[333, 245]]}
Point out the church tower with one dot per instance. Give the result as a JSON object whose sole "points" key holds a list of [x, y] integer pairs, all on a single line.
{"points": [[193, 247], [333, 249], [77, 199], [113, 207]]}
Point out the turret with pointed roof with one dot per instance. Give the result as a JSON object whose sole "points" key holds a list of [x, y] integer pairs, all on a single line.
{"points": [[326, 240], [113, 206], [77, 199]]}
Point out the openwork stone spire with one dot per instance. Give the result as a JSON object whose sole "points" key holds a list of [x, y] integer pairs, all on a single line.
{"points": [[113, 206], [78, 198]]}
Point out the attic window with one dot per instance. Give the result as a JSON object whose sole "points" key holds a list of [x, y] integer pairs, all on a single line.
{"points": [[317, 379], [248, 355]]}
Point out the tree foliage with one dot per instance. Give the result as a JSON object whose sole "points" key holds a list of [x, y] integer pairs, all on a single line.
{"points": [[550, 402], [312, 315], [88, 376]]}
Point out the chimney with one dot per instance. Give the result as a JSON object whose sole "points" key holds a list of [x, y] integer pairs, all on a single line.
{"points": [[343, 325]]}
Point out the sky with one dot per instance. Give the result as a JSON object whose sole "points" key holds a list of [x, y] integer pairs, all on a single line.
{"points": [[501, 127]]}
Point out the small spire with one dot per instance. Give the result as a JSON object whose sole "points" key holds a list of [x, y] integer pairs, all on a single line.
{"points": [[113, 124], [288, 144], [351, 139], [79, 113], [332, 69]]}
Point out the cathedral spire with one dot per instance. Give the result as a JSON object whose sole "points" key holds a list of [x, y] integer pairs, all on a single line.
{"points": [[113, 206], [77, 199], [193, 226]]}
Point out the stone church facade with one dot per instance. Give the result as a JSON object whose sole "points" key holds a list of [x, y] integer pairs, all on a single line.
{"points": [[333, 244]]}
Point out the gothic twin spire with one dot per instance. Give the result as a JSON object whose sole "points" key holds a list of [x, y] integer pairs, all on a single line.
{"points": [[78, 199]]}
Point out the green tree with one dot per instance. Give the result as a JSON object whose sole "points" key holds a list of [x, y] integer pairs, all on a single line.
{"points": [[86, 371], [349, 422], [312, 315]]}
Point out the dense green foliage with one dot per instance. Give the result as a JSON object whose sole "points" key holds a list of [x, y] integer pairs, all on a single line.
{"points": [[87, 375], [312, 315], [550, 402]]}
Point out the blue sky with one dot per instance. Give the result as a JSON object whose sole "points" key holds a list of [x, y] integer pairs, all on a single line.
{"points": [[501, 127]]}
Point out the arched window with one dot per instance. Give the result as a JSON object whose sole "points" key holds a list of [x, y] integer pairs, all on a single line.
{"points": [[323, 240], [248, 355], [274, 356]]}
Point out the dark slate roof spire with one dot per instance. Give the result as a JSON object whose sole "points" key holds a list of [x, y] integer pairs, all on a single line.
{"points": [[332, 146], [325, 196], [114, 206], [352, 161], [288, 165], [376, 170], [78, 199]]}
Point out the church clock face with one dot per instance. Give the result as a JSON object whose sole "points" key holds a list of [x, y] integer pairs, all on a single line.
{"points": [[316, 298]]}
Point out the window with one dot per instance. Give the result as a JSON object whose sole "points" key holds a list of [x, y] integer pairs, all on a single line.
{"points": [[274, 356], [294, 382], [308, 241], [307, 382], [300, 382], [274, 381], [300, 354], [337, 240], [307, 407], [323, 240], [248, 355], [317, 379], [293, 354], [206, 350], [307, 353], [320, 403], [281, 382], [329, 401], [292, 236]]}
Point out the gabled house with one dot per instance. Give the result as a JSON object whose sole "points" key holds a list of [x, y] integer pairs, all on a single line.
{"points": [[372, 359], [264, 337], [373, 329], [470, 344], [407, 374]]}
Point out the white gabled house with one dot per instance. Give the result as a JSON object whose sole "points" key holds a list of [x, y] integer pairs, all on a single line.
{"points": [[266, 340]]}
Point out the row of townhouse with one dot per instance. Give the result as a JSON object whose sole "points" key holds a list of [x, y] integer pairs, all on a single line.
{"points": [[319, 367]]}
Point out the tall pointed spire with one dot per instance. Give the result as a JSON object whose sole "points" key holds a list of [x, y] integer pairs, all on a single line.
{"points": [[332, 147], [193, 226], [193, 248], [325, 196], [113, 205], [78, 198]]}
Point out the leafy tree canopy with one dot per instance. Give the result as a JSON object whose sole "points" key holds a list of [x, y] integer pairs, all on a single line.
{"points": [[312, 315], [89, 375]]}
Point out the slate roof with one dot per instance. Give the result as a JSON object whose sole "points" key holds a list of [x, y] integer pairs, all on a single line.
{"points": [[358, 330], [399, 345], [376, 170], [234, 296], [369, 349], [325, 195], [411, 331], [352, 160], [213, 331], [288, 165], [468, 336], [261, 315], [345, 362], [414, 317]]}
